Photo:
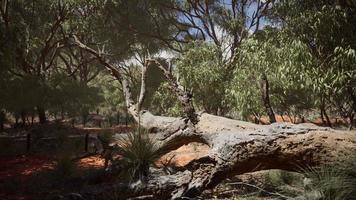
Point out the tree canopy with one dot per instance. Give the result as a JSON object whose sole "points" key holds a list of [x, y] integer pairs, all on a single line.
{"points": [[243, 59]]}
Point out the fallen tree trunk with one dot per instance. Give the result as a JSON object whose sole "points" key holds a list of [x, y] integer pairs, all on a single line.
{"points": [[236, 147]]}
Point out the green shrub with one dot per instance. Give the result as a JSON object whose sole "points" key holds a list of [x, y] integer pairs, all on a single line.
{"points": [[331, 182], [280, 177], [138, 152]]}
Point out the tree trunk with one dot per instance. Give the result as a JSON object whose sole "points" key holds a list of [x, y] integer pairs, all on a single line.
{"points": [[353, 97], [323, 113], [118, 118], [327, 119], [41, 115], [236, 147], [351, 119], [84, 120], [23, 118], [265, 98], [16, 120], [283, 118], [32, 118], [2, 120]]}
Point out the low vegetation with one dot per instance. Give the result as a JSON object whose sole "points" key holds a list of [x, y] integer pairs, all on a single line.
{"points": [[138, 152]]}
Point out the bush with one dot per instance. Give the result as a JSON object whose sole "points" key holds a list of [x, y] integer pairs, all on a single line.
{"points": [[138, 152], [280, 177], [330, 183]]}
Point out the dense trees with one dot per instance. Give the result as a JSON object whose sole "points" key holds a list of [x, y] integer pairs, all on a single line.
{"points": [[38, 73], [328, 31], [308, 54], [258, 57]]}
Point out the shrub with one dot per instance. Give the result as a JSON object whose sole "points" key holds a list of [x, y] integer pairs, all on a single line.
{"points": [[138, 152], [331, 182], [280, 177]]}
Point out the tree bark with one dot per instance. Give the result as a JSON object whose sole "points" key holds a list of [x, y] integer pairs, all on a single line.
{"points": [[265, 98], [351, 119], [23, 117], [2, 119], [41, 115], [323, 113], [118, 118], [327, 119]]}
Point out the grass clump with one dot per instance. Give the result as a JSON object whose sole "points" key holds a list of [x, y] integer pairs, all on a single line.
{"points": [[330, 183], [139, 152], [281, 177]]}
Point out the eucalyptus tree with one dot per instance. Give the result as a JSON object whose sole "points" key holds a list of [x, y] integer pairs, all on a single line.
{"points": [[31, 29], [282, 60], [327, 28], [36, 54], [175, 26], [129, 42], [208, 34]]}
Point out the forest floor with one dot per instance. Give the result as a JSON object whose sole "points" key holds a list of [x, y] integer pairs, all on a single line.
{"points": [[31, 178], [19, 174]]}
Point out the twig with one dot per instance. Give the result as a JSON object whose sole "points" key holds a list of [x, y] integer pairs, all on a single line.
{"points": [[261, 189], [142, 197]]}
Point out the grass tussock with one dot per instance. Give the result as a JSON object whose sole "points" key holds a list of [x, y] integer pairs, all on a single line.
{"points": [[139, 152]]}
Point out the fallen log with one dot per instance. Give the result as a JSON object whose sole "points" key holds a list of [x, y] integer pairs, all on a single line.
{"points": [[236, 148]]}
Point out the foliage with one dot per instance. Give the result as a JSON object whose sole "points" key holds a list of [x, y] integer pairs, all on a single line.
{"points": [[330, 182], [326, 28], [202, 66], [165, 103], [279, 177], [139, 151], [284, 61]]}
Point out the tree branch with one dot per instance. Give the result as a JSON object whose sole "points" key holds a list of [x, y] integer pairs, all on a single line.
{"points": [[143, 85], [183, 96]]}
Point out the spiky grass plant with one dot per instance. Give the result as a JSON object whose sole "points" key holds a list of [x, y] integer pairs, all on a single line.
{"points": [[65, 167], [337, 182], [138, 152]]}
